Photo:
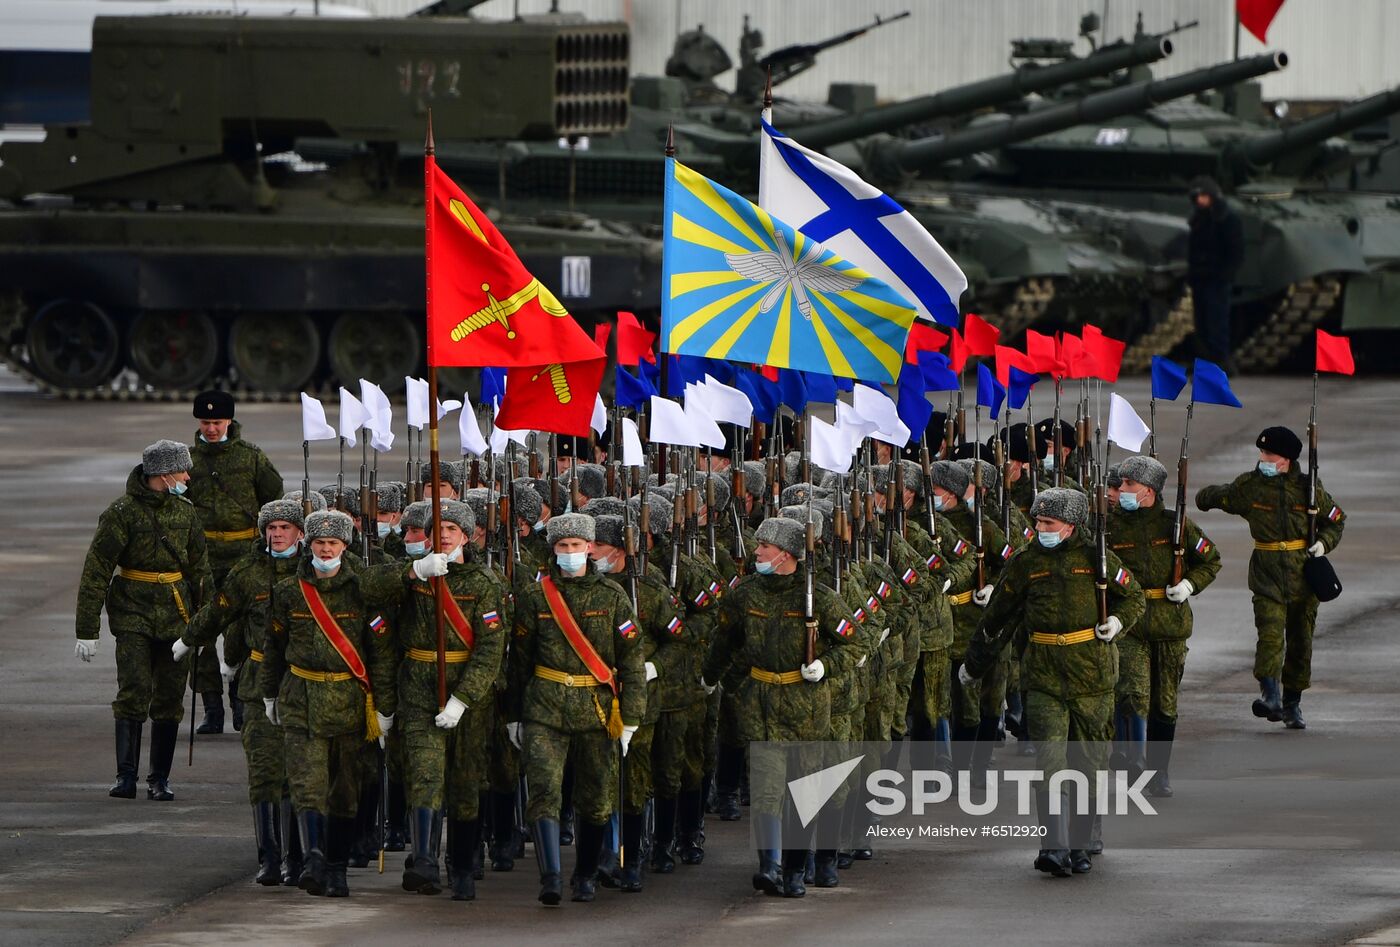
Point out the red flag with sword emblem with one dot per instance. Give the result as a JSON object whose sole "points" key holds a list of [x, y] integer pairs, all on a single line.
{"points": [[484, 307], [557, 398]]}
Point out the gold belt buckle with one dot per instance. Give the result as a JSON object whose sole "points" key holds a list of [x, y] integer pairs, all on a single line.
{"points": [[568, 680], [1060, 640]]}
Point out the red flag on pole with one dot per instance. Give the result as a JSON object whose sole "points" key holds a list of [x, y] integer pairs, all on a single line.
{"points": [[1076, 359], [922, 338], [557, 398], [1107, 353], [634, 343], [484, 307], [1256, 15], [1334, 354], [980, 335], [601, 332], [1043, 353], [1006, 357], [957, 355]]}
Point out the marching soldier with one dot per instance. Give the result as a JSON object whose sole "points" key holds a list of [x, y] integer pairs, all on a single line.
{"points": [[1068, 459], [328, 662], [240, 611], [761, 625], [389, 502], [230, 481], [1273, 499], [152, 539], [567, 703], [1152, 654], [445, 748], [1070, 663]]}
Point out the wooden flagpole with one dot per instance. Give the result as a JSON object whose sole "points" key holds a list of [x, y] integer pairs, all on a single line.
{"points": [[434, 460]]}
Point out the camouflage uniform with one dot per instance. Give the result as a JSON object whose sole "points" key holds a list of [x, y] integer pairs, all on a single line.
{"points": [[1285, 609], [145, 615], [974, 705]]}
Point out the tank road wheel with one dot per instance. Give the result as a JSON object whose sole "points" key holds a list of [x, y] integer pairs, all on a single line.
{"points": [[274, 351], [173, 351], [73, 344], [379, 347]]}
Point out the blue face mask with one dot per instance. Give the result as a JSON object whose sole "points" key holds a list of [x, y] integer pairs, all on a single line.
{"points": [[1049, 540], [1049, 461], [384, 529], [287, 553], [539, 526], [604, 566], [971, 502], [1128, 501], [177, 488], [764, 567], [326, 565], [207, 441], [1268, 469], [571, 562], [416, 549]]}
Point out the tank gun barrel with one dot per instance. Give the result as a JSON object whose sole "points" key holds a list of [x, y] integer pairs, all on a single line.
{"points": [[929, 152], [983, 93], [1268, 148], [791, 60]]}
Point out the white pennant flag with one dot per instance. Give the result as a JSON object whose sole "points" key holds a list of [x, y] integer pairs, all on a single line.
{"points": [[313, 420], [856, 427], [831, 447], [632, 453], [447, 407], [381, 416], [874, 405], [599, 421], [501, 438], [707, 431], [417, 392], [669, 425], [1125, 428], [352, 416], [470, 430], [725, 404]]}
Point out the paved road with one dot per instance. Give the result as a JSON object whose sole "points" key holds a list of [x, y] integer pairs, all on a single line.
{"points": [[81, 868]]}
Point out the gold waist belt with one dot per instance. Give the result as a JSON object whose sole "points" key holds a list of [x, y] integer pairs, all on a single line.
{"points": [[775, 677], [1069, 637]]}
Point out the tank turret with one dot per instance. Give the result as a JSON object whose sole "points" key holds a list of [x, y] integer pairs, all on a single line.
{"points": [[1264, 150]]}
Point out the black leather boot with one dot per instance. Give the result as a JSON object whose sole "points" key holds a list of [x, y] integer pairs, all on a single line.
{"points": [[826, 876], [1118, 758], [163, 737], [1268, 705], [606, 875], [547, 856], [664, 836], [1292, 713], [794, 872], [964, 742], [422, 875], [502, 831], [478, 862], [1159, 756], [1054, 857], [340, 833], [1081, 837], [313, 846], [291, 844], [729, 767], [128, 758], [1136, 749], [588, 848], [396, 839], [566, 809], [689, 813], [629, 873], [265, 831], [464, 838], [235, 705], [768, 878], [213, 721], [981, 761], [364, 846]]}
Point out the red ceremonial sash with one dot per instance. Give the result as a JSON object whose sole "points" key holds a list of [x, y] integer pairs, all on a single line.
{"points": [[574, 635], [338, 639], [457, 619]]}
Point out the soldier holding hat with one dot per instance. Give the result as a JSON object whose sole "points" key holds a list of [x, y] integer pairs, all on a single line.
{"points": [[152, 539], [1273, 499], [230, 481]]}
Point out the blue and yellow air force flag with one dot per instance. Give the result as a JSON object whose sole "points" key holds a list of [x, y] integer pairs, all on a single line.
{"points": [[740, 284], [830, 203]]}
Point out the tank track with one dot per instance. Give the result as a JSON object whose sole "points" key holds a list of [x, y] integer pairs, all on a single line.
{"points": [[1178, 323], [1303, 306]]}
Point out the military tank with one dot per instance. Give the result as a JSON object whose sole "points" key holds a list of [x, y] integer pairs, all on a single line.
{"points": [[177, 241]]}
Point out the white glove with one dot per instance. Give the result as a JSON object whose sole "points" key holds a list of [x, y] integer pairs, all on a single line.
{"points": [[964, 678], [86, 648], [451, 714], [814, 672], [884, 633], [982, 596], [1317, 549], [385, 723], [651, 671], [228, 671], [513, 731], [709, 688], [1180, 592], [861, 662], [178, 649], [1109, 629], [433, 564], [947, 584], [626, 737], [270, 705]]}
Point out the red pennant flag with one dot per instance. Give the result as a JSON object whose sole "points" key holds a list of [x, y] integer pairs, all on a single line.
{"points": [[1107, 353], [484, 307], [1256, 15], [557, 398], [1043, 353], [922, 338], [1075, 358], [769, 372], [601, 332], [957, 355], [980, 335], [1006, 357], [1334, 354], [634, 343]]}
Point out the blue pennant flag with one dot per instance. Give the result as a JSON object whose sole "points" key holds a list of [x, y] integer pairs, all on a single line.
{"points": [[1210, 385], [1168, 378], [914, 409], [1020, 386], [493, 385], [683, 370], [937, 372], [990, 393], [632, 392], [739, 284], [821, 389], [763, 394], [650, 372], [847, 384], [792, 391]]}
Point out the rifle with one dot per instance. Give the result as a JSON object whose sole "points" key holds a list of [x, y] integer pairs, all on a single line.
{"points": [[306, 507], [978, 539], [930, 511], [1101, 548], [365, 527], [491, 521], [1031, 452], [949, 433], [810, 619], [1312, 467], [677, 521], [1004, 484], [889, 517], [369, 505], [1179, 527], [512, 548], [738, 493], [838, 534], [710, 513], [644, 522], [1058, 441]]}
